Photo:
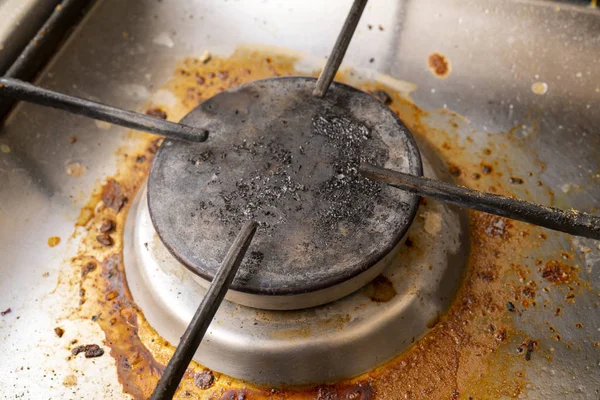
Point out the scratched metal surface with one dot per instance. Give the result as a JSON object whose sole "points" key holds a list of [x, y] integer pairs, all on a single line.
{"points": [[121, 53]]}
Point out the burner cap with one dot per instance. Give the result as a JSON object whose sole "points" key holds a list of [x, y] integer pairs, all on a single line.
{"points": [[288, 160]]}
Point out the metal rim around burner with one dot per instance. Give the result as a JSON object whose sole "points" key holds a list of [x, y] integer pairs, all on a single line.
{"points": [[322, 344], [279, 155]]}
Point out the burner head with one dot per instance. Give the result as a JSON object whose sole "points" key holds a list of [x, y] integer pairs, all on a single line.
{"points": [[288, 160]]}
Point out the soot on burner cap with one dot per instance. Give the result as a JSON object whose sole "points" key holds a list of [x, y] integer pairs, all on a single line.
{"points": [[288, 160]]}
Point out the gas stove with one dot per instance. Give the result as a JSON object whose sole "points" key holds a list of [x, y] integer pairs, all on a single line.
{"points": [[324, 232], [350, 287]]}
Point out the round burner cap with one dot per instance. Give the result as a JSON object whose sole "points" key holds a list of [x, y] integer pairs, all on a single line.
{"points": [[288, 160]]}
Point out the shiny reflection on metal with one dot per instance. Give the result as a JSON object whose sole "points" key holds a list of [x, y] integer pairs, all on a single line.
{"points": [[39, 48], [19, 90], [339, 49], [188, 345], [289, 161], [320, 344], [20, 21], [569, 221], [44, 43]]}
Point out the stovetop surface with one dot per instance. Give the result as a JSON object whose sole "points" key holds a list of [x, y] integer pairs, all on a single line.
{"points": [[522, 82]]}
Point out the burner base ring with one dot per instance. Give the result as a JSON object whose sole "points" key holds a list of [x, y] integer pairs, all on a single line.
{"points": [[322, 344]]}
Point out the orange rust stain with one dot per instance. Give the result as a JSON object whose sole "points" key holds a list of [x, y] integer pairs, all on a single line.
{"points": [[488, 273], [112, 195], [53, 241], [157, 112], [487, 169], [456, 355], [459, 354], [104, 295], [431, 324], [439, 65], [86, 213], [380, 290], [460, 357], [558, 272], [454, 170]]}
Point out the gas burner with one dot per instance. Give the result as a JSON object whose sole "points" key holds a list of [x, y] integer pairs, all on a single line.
{"points": [[315, 345], [288, 160], [314, 163]]}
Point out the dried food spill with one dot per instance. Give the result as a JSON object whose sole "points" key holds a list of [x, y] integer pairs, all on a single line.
{"points": [[469, 352], [439, 65]]}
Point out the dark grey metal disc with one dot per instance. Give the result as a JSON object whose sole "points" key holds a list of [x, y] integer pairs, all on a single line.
{"points": [[280, 156]]}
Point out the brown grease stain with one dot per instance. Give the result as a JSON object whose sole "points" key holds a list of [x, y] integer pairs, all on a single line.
{"points": [[460, 357], [439, 65], [558, 272], [380, 290], [104, 295], [53, 241]]}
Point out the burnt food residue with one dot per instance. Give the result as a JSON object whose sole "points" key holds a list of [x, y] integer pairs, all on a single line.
{"points": [[460, 357], [439, 65]]}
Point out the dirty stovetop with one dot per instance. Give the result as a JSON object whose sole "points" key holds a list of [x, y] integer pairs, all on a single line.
{"points": [[503, 97]]}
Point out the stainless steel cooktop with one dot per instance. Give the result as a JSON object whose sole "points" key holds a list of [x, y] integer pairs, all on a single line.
{"points": [[522, 74]]}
